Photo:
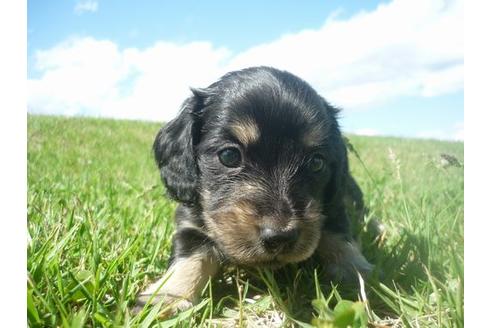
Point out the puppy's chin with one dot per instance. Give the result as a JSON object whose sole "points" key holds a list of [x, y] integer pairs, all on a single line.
{"points": [[275, 261], [304, 248]]}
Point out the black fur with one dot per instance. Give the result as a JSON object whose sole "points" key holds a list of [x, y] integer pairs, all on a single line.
{"points": [[175, 155], [284, 109]]}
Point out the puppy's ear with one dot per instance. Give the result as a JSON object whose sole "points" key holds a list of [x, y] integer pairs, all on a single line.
{"points": [[334, 207], [339, 168], [174, 150], [335, 191]]}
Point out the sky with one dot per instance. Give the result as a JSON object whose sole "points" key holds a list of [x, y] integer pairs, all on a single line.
{"points": [[394, 67]]}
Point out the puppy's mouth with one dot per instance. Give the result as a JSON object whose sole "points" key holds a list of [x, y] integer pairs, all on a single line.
{"points": [[246, 239], [295, 251]]}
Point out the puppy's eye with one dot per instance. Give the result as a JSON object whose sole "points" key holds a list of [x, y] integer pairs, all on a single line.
{"points": [[230, 157], [316, 164]]}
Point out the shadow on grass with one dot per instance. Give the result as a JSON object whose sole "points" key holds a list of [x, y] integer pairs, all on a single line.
{"points": [[293, 288]]}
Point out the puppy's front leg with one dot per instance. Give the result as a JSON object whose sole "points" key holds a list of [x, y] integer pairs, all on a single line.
{"points": [[193, 262], [342, 257]]}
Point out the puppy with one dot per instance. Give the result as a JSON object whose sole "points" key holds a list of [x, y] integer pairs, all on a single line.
{"points": [[259, 167]]}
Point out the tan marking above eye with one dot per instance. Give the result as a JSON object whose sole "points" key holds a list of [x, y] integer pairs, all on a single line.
{"points": [[246, 131]]}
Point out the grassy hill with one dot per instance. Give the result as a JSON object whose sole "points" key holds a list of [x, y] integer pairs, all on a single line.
{"points": [[100, 229]]}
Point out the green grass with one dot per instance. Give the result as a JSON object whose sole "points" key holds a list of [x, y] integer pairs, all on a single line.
{"points": [[100, 230]]}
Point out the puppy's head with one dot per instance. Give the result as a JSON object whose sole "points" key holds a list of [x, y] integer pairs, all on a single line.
{"points": [[259, 154]]}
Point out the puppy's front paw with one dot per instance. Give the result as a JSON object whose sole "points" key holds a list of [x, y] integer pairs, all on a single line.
{"points": [[180, 287]]}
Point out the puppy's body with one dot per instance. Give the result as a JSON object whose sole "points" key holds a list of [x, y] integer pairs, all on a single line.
{"points": [[259, 166]]}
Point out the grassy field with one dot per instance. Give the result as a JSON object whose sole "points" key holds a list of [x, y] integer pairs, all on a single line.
{"points": [[100, 229]]}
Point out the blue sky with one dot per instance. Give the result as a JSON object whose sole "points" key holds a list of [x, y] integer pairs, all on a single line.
{"points": [[395, 67]]}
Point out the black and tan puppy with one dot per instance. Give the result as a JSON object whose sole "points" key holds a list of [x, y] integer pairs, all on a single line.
{"points": [[260, 168]]}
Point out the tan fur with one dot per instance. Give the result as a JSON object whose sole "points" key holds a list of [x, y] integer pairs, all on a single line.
{"points": [[251, 188], [188, 224], [236, 230], [310, 236], [182, 283], [246, 131]]}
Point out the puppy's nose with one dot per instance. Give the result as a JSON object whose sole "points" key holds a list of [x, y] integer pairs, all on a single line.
{"points": [[275, 239]]}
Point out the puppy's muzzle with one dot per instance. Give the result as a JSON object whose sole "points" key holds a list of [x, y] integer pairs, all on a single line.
{"points": [[277, 240]]}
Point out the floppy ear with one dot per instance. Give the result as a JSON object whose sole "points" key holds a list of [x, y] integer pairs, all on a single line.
{"points": [[334, 207], [174, 151]]}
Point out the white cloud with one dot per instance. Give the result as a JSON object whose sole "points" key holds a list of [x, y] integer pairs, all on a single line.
{"points": [[401, 48], [459, 133], [433, 134], [93, 77], [86, 6], [455, 133], [367, 132]]}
